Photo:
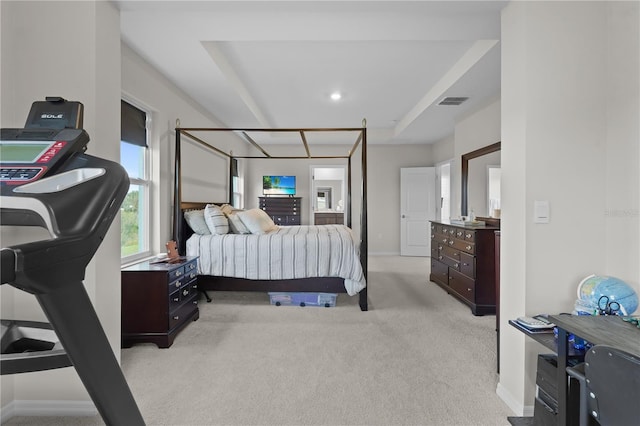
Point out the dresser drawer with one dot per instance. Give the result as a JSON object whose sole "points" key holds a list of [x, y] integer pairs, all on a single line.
{"points": [[175, 300], [439, 272], [468, 264], [451, 252], [191, 268], [459, 233], [463, 245], [178, 297], [452, 263], [462, 285], [178, 317], [176, 284]]}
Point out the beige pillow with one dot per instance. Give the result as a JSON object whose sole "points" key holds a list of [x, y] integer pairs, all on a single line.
{"points": [[195, 220], [257, 221], [216, 220]]}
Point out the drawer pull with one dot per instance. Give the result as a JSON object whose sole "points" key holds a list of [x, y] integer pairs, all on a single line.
{"points": [[469, 235], [185, 292], [195, 302], [456, 265], [440, 257], [176, 299], [176, 317], [178, 283], [451, 242], [193, 275], [178, 273], [468, 247], [468, 289]]}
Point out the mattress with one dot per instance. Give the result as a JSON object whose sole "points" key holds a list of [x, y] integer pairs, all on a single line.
{"points": [[290, 252]]}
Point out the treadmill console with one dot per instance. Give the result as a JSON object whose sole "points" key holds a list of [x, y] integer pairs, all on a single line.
{"points": [[27, 155]]}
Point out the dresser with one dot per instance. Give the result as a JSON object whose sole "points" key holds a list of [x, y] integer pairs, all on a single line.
{"points": [[283, 210], [327, 218], [463, 262], [158, 301]]}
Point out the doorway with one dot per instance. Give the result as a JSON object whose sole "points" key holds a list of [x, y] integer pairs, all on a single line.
{"points": [[417, 208], [328, 192]]}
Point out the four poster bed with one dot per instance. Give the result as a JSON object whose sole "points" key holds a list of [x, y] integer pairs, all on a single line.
{"points": [[303, 258]]}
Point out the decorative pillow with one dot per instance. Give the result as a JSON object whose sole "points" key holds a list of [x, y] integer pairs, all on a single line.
{"points": [[257, 221], [216, 220], [195, 220], [227, 209], [236, 225]]}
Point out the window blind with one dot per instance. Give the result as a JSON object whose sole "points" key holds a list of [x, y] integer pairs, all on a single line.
{"points": [[133, 127]]}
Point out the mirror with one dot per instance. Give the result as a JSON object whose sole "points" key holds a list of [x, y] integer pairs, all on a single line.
{"points": [[475, 181], [323, 200]]}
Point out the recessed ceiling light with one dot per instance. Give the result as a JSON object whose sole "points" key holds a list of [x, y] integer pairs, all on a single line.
{"points": [[336, 96]]}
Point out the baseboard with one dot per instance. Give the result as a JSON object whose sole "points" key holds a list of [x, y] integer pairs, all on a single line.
{"points": [[518, 408], [384, 253], [39, 408]]}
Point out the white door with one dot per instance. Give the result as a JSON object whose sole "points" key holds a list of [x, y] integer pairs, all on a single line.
{"points": [[417, 207]]}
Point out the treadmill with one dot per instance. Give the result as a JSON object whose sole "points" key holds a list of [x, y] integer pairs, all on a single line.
{"points": [[47, 180]]}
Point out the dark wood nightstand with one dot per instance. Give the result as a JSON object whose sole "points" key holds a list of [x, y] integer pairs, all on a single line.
{"points": [[158, 301]]}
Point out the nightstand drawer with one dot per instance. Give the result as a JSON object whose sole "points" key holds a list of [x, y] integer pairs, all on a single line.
{"points": [[179, 316]]}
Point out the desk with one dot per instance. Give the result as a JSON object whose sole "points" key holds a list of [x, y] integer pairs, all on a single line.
{"points": [[598, 330]]}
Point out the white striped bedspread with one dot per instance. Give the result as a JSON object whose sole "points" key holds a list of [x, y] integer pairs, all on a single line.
{"points": [[290, 252]]}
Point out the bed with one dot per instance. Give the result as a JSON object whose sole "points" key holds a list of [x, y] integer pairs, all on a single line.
{"points": [[327, 258]]}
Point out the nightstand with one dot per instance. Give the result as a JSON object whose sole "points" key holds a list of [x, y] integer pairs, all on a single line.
{"points": [[158, 301]]}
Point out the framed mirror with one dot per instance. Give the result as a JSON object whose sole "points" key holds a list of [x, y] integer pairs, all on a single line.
{"points": [[476, 174]]}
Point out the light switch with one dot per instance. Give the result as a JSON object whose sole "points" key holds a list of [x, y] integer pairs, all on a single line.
{"points": [[540, 212]]}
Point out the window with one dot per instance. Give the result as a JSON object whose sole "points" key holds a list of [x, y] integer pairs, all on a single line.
{"points": [[237, 185], [134, 157]]}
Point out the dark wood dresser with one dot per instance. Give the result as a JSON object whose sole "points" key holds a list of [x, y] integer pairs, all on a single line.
{"points": [[327, 218], [463, 263], [158, 301], [284, 211]]}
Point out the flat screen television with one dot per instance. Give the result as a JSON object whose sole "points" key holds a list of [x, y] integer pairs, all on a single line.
{"points": [[279, 185]]}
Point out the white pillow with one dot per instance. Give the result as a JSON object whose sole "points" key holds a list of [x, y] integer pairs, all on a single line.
{"points": [[257, 221], [195, 220], [216, 220], [236, 225]]}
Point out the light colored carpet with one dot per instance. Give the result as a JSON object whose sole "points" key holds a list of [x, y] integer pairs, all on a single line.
{"points": [[417, 357]]}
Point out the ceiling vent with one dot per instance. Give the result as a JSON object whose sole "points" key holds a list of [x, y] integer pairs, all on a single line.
{"points": [[451, 100]]}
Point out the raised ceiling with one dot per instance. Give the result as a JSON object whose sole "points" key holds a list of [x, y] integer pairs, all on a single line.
{"points": [[276, 63]]}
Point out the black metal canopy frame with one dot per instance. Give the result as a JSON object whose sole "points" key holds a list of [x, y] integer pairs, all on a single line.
{"points": [[361, 140]]}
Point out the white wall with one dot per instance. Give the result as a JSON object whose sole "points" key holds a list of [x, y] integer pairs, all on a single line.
{"points": [[478, 129], [384, 166], [567, 139], [87, 69], [205, 174]]}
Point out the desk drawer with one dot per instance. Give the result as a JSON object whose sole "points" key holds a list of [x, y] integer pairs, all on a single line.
{"points": [[544, 415], [547, 375]]}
